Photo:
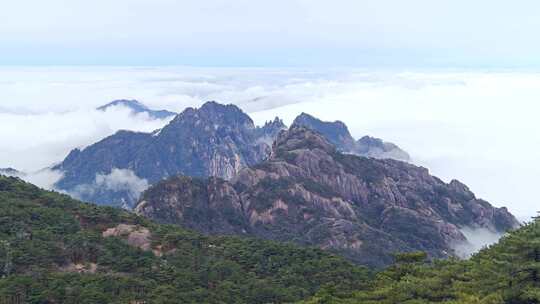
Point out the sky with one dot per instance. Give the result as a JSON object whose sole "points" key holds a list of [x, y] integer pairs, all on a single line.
{"points": [[360, 33], [480, 127], [456, 83]]}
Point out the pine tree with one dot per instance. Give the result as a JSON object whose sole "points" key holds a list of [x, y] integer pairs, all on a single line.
{"points": [[5, 258], [524, 260]]}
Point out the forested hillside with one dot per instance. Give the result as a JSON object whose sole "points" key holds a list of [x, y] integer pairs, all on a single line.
{"points": [[508, 272], [54, 249]]}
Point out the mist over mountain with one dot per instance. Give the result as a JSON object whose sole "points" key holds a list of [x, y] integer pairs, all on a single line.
{"points": [[310, 193], [214, 140], [11, 172], [437, 116], [137, 108], [338, 134], [269, 152]]}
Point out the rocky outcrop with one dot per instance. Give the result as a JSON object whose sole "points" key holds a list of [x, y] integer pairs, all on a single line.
{"points": [[212, 205], [214, 140], [137, 108], [377, 148], [338, 134], [268, 133], [309, 193], [136, 236]]}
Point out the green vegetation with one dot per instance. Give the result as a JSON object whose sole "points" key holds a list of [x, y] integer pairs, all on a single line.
{"points": [[269, 190], [52, 250], [505, 273]]}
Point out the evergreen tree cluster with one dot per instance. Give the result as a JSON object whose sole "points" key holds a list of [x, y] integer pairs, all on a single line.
{"points": [[505, 273], [53, 250]]}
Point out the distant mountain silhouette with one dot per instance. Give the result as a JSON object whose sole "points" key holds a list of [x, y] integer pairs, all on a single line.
{"points": [[338, 134], [214, 140], [136, 107]]}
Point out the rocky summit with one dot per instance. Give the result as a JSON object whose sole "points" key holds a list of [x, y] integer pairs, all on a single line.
{"points": [[310, 193], [214, 140], [338, 134]]}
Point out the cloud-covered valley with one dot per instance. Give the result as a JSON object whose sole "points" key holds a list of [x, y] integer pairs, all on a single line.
{"points": [[477, 126]]}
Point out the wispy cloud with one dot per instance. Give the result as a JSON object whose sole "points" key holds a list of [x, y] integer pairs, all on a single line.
{"points": [[35, 141], [478, 127], [477, 238], [118, 180]]}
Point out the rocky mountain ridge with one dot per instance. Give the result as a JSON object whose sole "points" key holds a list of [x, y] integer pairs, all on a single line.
{"points": [[338, 134], [309, 193], [137, 107], [214, 140]]}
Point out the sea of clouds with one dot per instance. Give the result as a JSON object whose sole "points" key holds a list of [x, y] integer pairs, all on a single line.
{"points": [[480, 127]]}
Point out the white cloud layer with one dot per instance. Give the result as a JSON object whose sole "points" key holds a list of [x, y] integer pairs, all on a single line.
{"points": [[44, 178], [38, 140], [479, 127], [118, 180], [477, 238], [122, 180]]}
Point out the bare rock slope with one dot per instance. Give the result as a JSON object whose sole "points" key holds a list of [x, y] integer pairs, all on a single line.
{"points": [[309, 193], [338, 134], [214, 140]]}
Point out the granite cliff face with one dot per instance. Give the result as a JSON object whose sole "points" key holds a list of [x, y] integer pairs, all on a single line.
{"points": [[310, 193], [338, 134], [269, 132], [377, 148], [214, 140]]}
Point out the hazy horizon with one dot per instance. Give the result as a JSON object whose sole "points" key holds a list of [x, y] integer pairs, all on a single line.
{"points": [[372, 33]]}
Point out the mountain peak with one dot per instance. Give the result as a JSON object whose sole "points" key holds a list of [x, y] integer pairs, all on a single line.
{"points": [[336, 132], [377, 148], [308, 118], [277, 122], [216, 114], [269, 132], [300, 138], [308, 192], [129, 103], [213, 140], [368, 140], [214, 105], [136, 107]]}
